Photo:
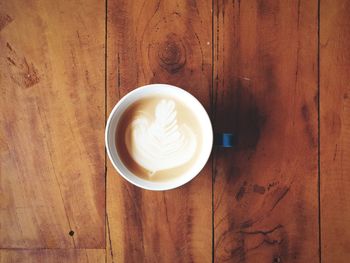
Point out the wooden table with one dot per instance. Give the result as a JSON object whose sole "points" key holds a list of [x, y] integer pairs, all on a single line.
{"points": [[276, 73]]}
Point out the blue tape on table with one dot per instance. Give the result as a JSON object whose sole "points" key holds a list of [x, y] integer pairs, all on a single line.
{"points": [[224, 140]]}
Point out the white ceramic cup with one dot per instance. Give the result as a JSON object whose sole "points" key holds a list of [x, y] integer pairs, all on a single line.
{"points": [[159, 90]]}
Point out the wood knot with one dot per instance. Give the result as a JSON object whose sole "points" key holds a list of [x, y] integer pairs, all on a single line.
{"points": [[172, 54]]}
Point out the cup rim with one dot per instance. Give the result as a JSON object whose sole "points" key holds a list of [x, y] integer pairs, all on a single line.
{"points": [[159, 187]]}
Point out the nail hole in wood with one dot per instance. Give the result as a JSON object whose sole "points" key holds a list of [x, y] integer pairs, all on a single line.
{"points": [[71, 233]]}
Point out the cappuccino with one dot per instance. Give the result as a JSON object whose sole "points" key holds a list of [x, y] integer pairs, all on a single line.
{"points": [[158, 138]]}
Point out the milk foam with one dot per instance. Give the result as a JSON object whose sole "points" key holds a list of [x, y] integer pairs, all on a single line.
{"points": [[159, 142]]}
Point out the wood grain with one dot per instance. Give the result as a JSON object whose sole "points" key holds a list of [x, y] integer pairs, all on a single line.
{"points": [[52, 256], [265, 191], [335, 130], [258, 79], [159, 42], [52, 124]]}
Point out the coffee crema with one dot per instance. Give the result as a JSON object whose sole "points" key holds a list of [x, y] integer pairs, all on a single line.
{"points": [[158, 138]]}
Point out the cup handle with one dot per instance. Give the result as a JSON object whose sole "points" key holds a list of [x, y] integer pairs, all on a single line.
{"points": [[225, 140]]}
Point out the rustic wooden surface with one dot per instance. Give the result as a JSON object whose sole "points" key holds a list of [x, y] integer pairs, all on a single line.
{"points": [[53, 255], [265, 191], [159, 42], [335, 130], [52, 124], [273, 72]]}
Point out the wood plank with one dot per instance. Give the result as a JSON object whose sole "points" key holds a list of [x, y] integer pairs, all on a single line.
{"points": [[52, 124], [335, 130], [265, 189], [52, 255], [176, 225]]}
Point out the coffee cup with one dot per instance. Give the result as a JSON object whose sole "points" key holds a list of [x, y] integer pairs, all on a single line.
{"points": [[159, 137]]}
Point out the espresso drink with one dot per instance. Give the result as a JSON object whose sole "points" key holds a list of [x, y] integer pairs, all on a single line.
{"points": [[158, 138]]}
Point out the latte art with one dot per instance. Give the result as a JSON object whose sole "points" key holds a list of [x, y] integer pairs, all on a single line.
{"points": [[159, 138], [158, 141]]}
